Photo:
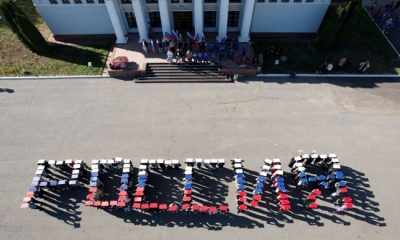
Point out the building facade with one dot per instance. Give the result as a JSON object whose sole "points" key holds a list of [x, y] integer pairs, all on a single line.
{"points": [[121, 17]]}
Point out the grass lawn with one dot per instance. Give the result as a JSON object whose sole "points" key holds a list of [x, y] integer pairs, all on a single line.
{"points": [[365, 42], [16, 60]]}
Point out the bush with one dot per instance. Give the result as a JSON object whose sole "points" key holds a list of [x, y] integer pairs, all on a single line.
{"points": [[20, 24]]}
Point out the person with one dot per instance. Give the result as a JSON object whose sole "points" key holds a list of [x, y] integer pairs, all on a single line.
{"points": [[160, 46], [292, 74], [170, 55], [189, 55], [145, 45], [342, 62], [171, 46], [329, 68], [364, 66]]}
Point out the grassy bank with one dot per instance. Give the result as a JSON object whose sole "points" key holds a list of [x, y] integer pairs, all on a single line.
{"points": [[16, 60]]}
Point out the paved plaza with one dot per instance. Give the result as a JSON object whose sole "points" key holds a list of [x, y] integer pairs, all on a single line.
{"points": [[358, 119]]}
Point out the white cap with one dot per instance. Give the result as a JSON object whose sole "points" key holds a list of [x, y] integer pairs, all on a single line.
{"points": [[144, 161], [41, 161], [305, 156], [332, 155], [175, 161], [110, 161], [152, 161], [268, 161], [276, 160]]}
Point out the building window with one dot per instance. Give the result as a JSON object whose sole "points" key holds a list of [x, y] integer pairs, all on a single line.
{"points": [[285, 1], [155, 20], [297, 1], [126, 1], [260, 1], [66, 1], [273, 1], [53, 1], [187, 1], [309, 0], [235, 1], [233, 18], [174, 1], [78, 1], [210, 18], [89, 1], [151, 1], [210, 1], [130, 18], [101, 1]]}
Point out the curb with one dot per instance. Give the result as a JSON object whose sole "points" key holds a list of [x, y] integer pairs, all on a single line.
{"points": [[333, 75], [76, 77]]}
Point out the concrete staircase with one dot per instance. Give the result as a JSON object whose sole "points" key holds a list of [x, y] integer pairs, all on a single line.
{"points": [[181, 72]]}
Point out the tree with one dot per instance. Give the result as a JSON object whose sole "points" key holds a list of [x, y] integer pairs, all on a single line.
{"points": [[335, 21], [25, 30]]}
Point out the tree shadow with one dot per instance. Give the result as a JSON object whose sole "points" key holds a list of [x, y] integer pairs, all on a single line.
{"points": [[6, 90], [81, 54]]}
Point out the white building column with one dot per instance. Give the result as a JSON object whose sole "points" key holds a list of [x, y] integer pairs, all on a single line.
{"points": [[246, 20], [164, 15], [198, 18], [141, 22], [223, 19], [115, 21]]}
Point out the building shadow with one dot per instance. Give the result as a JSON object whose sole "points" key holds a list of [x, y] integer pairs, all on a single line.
{"points": [[340, 81]]}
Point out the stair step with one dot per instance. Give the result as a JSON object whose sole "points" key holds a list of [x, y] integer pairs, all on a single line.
{"points": [[182, 72], [158, 80], [182, 77]]}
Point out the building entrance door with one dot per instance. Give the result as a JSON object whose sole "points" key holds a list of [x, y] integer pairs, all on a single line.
{"points": [[183, 22]]}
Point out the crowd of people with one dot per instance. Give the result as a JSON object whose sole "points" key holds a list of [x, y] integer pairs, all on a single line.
{"points": [[193, 50], [332, 181], [385, 15], [343, 64]]}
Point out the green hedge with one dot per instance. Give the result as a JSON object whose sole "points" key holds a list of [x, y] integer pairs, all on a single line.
{"points": [[20, 24]]}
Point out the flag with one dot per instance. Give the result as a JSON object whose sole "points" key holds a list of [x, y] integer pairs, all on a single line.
{"points": [[168, 35], [189, 36], [174, 34]]}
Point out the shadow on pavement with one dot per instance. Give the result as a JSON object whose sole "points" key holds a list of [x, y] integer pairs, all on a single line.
{"points": [[210, 187], [339, 81]]}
